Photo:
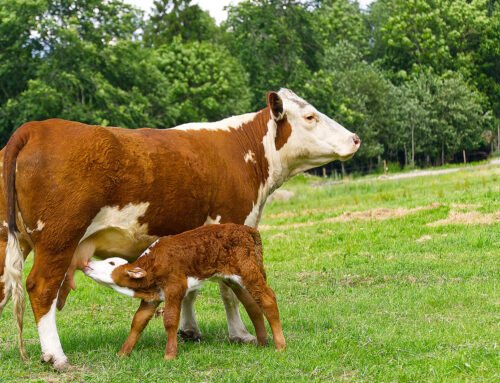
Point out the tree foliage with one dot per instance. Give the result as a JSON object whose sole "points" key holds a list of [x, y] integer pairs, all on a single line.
{"points": [[418, 80]]}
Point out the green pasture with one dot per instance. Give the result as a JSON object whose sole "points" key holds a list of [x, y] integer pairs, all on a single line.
{"points": [[374, 296]]}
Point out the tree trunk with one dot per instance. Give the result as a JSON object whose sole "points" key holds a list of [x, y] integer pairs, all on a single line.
{"points": [[442, 153], [406, 155], [412, 145]]}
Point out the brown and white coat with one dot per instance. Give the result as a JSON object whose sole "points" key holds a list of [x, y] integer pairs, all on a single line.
{"points": [[74, 191]]}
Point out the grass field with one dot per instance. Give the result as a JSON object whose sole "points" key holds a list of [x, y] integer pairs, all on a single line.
{"points": [[377, 280]]}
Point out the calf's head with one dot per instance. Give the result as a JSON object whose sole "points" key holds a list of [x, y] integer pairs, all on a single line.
{"points": [[305, 137], [116, 273]]}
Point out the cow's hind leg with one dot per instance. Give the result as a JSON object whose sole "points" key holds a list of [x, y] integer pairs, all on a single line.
{"points": [[43, 284], [236, 328], [189, 328], [5, 291]]}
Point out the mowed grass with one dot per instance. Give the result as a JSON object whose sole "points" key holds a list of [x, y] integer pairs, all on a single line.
{"points": [[383, 299]]}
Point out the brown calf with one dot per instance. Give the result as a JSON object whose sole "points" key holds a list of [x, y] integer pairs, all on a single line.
{"points": [[173, 266]]}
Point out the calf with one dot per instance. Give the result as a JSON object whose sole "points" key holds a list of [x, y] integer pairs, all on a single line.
{"points": [[176, 265]]}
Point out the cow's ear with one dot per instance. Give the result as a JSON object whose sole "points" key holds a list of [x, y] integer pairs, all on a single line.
{"points": [[275, 104], [136, 273]]}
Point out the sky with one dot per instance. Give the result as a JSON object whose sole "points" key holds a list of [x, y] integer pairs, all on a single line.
{"points": [[215, 7]]}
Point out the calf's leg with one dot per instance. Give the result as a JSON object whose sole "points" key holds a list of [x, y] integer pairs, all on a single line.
{"points": [[236, 328], [254, 312], [174, 292], [141, 319], [266, 299]]}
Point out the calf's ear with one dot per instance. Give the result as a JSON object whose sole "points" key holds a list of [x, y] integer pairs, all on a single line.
{"points": [[275, 104], [136, 273]]}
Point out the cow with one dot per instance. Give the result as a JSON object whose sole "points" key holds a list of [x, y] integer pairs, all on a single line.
{"points": [[178, 264], [74, 191]]}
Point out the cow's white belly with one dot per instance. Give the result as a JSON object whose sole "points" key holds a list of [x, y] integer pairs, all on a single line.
{"points": [[114, 232]]}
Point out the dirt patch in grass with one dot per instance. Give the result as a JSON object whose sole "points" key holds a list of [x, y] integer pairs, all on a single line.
{"points": [[290, 214], [279, 235], [73, 374], [468, 218], [465, 206], [365, 215], [424, 238]]}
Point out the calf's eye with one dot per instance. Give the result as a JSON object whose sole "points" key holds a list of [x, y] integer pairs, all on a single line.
{"points": [[112, 263], [310, 117]]}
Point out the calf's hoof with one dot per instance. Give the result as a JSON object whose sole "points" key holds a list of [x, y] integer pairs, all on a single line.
{"points": [[190, 335], [170, 356], [262, 342], [243, 338]]}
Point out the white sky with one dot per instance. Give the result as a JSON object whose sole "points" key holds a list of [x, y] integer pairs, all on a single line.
{"points": [[215, 7]]}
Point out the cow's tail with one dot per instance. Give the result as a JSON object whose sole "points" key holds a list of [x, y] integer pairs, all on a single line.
{"points": [[258, 249], [14, 260]]}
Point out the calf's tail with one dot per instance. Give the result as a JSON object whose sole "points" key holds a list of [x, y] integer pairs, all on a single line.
{"points": [[14, 260]]}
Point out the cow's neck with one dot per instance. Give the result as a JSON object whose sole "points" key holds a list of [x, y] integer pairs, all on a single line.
{"points": [[258, 138]]}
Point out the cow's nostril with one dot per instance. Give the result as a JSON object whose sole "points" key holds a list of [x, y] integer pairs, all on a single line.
{"points": [[356, 140]]}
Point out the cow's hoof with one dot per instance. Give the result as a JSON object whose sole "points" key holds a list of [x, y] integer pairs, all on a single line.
{"points": [[190, 335], [58, 365], [47, 358], [243, 338], [61, 365]]}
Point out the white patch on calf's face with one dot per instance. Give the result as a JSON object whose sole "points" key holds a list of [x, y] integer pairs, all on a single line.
{"points": [[226, 125], [100, 271]]}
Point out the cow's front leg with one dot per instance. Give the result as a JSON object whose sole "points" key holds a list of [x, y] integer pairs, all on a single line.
{"points": [[189, 328], [236, 328]]}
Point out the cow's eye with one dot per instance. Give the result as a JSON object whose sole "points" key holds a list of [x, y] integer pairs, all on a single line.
{"points": [[112, 263], [310, 117]]}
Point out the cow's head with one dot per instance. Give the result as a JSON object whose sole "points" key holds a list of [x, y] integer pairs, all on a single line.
{"points": [[305, 137]]}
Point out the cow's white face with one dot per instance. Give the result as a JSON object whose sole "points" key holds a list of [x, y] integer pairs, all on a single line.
{"points": [[315, 138]]}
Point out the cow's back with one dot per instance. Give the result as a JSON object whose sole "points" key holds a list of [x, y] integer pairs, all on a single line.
{"points": [[77, 181]]}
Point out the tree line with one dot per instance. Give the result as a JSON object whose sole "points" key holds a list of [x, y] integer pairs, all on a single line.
{"points": [[418, 80]]}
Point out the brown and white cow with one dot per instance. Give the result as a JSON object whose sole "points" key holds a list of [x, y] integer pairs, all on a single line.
{"points": [[74, 191]]}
